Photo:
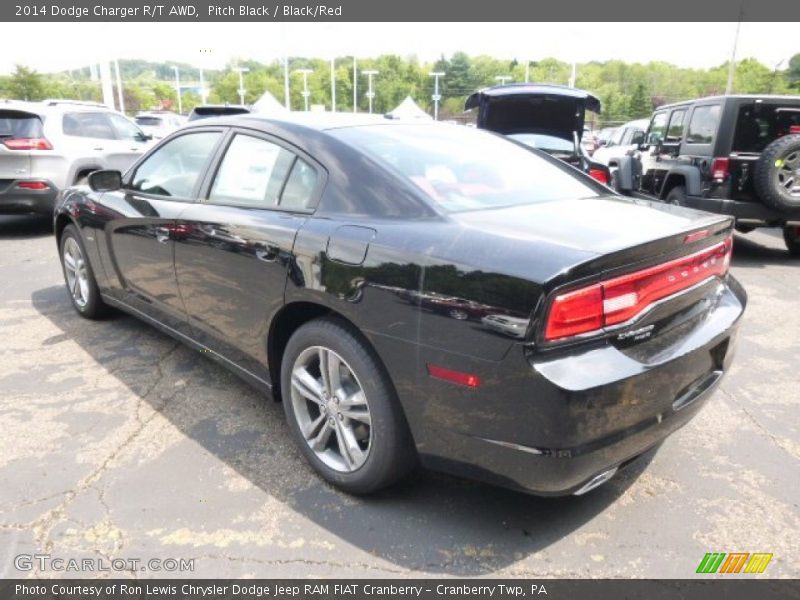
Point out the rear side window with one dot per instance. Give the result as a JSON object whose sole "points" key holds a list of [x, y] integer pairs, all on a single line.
{"points": [[16, 124], [299, 189], [90, 125], [703, 125], [175, 168], [675, 129], [758, 125]]}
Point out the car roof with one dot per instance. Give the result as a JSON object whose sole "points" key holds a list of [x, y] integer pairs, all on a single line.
{"points": [[728, 99], [320, 121]]}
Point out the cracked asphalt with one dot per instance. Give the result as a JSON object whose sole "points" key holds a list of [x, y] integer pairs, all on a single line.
{"points": [[117, 442]]}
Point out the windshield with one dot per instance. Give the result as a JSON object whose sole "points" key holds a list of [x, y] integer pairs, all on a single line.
{"points": [[548, 143], [461, 168]]}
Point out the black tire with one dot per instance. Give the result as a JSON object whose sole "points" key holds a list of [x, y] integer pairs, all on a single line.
{"points": [[791, 235], [391, 454], [677, 196], [768, 170], [93, 307]]}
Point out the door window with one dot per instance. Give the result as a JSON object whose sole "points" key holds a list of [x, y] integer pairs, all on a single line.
{"points": [[87, 124], [675, 129], [703, 125], [175, 168], [124, 129], [252, 173], [658, 128], [299, 189]]}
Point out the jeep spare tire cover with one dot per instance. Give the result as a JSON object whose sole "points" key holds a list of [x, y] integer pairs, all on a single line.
{"points": [[777, 174]]}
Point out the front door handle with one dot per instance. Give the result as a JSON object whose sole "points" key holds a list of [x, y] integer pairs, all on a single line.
{"points": [[98, 149], [162, 234], [267, 252]]}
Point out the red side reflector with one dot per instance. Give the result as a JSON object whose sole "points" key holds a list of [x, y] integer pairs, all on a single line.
{"points": [[695, 235], [27, 144], [458, 377], [794, 129], [620, 299], [600, 175], [33, 185]]}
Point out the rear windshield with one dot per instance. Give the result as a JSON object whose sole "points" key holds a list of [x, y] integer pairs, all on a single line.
{"points": [[202, 112], [548, 143], [148, 121], [760, 124], [461, 168], [19, 124]]}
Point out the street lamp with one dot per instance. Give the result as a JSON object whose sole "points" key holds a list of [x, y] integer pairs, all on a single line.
{"points": [[503, 78], [241, 71], [203, 90], [178, 89], [305, 92], [370, 94], [436, 96]]}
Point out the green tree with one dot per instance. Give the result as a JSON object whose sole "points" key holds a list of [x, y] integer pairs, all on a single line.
{"points": [[26, 84], [640, 104]]}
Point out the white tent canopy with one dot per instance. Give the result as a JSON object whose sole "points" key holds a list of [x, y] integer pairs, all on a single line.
{"points": [[408, 109], [267, 104]]}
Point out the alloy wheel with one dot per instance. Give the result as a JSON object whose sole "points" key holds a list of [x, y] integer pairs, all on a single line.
{"points": [[75, 269], [331, 409], [787, 173]]}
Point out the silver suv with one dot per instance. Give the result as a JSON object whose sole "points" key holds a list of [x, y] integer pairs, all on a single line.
{"points": [[47, 146]]}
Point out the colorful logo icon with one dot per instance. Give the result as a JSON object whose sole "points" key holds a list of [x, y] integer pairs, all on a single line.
{"points": [[734, 562]]}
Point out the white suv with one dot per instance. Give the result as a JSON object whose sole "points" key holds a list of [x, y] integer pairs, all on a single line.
{"points": [[47, 146]]}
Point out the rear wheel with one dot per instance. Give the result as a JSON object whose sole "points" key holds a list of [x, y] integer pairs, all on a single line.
{"points": [[777, 174], [791, 235], [342, 409], [677, 196], [78, 275]]}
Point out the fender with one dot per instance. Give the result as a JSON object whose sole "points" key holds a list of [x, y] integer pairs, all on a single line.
{"points": [[690, 174]]}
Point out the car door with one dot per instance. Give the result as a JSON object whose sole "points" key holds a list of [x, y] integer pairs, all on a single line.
{"points": [[232, 266], [140, 238], [129, 143]]}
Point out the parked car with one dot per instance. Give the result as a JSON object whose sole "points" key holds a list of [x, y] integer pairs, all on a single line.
{"points": [[732, 155], [159, 123], [216, 110], [630, 310], [589, 141], [47, 146], [624, 142], [605, 134], [547, 117]]}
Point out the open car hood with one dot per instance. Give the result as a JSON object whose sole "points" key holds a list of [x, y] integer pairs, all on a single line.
{"points": [[533, 108]]}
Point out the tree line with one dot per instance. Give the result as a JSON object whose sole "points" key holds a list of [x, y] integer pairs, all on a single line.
{"points": [[627, 90]]}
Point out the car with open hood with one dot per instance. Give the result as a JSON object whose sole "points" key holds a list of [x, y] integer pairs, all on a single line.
{"points": [[547, 117], [416, 293]]}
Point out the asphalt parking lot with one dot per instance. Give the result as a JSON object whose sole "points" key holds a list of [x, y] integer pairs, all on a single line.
{"points": [[118, 442]]}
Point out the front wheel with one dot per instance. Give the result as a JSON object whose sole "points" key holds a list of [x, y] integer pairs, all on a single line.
{"points": [[791, 235], [78, 275], [342, 409]]}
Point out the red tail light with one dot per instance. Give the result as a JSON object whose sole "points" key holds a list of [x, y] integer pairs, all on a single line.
{"points": [[27, 144], [794, 129], [600, 175], [619, 299], [33, 185], [720, 167]]}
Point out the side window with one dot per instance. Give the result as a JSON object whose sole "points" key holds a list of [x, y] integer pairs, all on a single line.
{"points": [[251, 174], [299, 189], [618, 137], [90, 125], [124, 129], [675, 129], [658, 128], [175, 168], [703, 125], [627, 135]]}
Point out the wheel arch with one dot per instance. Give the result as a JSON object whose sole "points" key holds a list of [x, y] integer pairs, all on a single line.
{"points": [[689, 177]]}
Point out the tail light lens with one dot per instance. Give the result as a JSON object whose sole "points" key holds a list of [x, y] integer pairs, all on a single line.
{"points": [[720, 167], [794, 129], [600, 175], [27, 144], [620, 299], [33, 185]]}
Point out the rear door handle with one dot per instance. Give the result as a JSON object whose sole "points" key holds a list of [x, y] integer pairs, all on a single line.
{"points": [[267, 252], [162, 234]]}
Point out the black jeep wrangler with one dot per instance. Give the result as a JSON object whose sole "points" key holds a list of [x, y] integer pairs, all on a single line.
{"points": [[731, 155]]}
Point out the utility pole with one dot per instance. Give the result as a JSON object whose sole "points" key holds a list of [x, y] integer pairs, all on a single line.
{"points": [[436, 96], [305, 92], [178, 89], [241, 71], [574, 75], [370, 94], [732, 65]]}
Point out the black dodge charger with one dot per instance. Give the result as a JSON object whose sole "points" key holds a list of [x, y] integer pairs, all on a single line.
{"points": [[416, 293]]}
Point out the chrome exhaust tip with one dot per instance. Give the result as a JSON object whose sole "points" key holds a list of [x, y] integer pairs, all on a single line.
{"points": [[596, 481]]}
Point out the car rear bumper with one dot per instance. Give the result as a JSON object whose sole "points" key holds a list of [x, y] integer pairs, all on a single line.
{"points": [[550, 424], [16, 200], [742, 211]]}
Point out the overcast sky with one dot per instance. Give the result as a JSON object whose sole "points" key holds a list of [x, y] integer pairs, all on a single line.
{"points": [[58, 46]]}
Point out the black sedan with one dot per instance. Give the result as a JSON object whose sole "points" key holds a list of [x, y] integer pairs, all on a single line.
{"points": [[298, 252]]}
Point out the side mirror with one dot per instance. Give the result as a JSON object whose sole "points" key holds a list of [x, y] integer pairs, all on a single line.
{"points": [[638, 138], [105, 181]]}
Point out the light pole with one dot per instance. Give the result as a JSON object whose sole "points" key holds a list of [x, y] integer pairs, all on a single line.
{"points": [[203, 91], [305, 92], [355, 85], [333, 85], [503, 78], [436, 96], [119, 87], [178, 89], [370, 94], [241, 71]]}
